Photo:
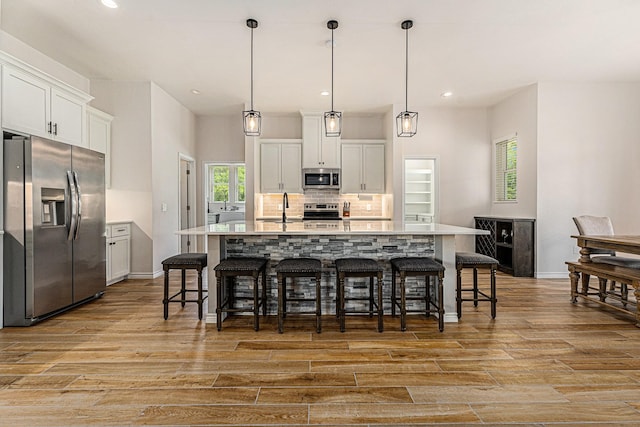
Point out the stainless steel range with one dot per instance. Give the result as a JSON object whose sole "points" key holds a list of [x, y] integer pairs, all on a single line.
{"points": [[321, 212]]}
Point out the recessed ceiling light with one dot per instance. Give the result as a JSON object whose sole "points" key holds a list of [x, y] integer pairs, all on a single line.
{"points": [[324, 93], [195, 91], [446, 94], [110, 3]]}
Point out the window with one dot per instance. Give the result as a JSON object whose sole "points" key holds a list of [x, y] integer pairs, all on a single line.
{"points": [[506, 176], [227, 183]]}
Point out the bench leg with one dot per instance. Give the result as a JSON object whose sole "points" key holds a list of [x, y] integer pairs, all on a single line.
{"points": [[183, 283], [403, 302], [575, 277], [459, 291], [281, 290], [219, 283], [636, 292], [494, 299], [440, 302]]}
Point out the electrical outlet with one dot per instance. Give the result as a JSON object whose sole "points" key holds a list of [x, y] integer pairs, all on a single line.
{"points": [[279, 206], [368, 206]]}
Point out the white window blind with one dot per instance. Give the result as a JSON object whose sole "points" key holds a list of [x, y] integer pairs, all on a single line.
{"points": [[506, 176]]}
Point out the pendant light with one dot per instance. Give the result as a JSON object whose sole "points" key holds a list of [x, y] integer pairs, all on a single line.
{"points": [[407, 121], [252, 118], [332, 119]]}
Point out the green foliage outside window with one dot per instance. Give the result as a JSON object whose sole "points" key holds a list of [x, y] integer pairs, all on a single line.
{"points": [[224, 181]]}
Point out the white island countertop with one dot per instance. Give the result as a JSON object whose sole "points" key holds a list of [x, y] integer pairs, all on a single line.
{"points": [[345, 227]]}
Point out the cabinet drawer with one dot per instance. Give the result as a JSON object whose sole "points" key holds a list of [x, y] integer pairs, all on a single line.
{"points": [[120, 230]]}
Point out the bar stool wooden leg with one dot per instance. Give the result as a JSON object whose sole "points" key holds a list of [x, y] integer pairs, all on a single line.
{"points": [[440, 302], [183, 286], [341, 315], [165, 301], [475, 287], [403, 302], [494, 300], [281, 298], [459, 292], [380, 308], [219, 301], [264, 292], [393, 291], [200, 293], [318, 303], [256, 302]]}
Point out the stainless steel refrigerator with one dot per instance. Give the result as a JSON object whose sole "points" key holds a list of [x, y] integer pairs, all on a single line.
{"points": [[54, 222]]}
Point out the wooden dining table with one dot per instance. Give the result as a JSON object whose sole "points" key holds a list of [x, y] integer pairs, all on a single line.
{"points": [[629, 244]]}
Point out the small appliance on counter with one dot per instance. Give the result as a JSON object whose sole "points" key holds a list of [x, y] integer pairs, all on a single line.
{"points": [[346, 209]]}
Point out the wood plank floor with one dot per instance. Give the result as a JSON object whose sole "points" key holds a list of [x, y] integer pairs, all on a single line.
{"points": [[542, 362]]}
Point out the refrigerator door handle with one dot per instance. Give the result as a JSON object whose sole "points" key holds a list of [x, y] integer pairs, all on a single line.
{"points": [[74, 208], [78, 204]]}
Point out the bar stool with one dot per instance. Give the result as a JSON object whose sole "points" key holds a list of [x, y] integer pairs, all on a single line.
{"points": [[358, 267], [298, 267], [228, 270], [420, 267], [476, 261], [188, 261]]}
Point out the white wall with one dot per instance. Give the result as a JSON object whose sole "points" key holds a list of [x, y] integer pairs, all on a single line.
{"points": [[172, 133], [35, 58], [130, 195], [588, 152], [457, 137], [517, 114]]}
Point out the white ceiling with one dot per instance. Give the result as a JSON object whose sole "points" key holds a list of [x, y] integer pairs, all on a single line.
{"points": [[482, 50]]}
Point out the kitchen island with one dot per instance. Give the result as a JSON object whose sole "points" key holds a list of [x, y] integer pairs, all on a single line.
{"points": [[329, 240]]}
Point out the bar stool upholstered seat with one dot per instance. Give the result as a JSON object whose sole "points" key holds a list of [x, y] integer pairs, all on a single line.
{"points": [[183, 262], [227, 271], [418, 267], [298, 267], [358, 267], [475, 261]]}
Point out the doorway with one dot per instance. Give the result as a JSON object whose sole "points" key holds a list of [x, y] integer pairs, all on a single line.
{"points": [[187, 205], [420, 190]]}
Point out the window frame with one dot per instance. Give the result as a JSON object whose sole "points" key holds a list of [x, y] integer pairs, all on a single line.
{"points": [[232, 182], [501, 170]]}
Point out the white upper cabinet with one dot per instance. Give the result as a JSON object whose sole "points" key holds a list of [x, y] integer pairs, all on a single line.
{"points": [[33, 105], [280, 167], [318, 150], [99, 137], [25, 101], [362, 168]]}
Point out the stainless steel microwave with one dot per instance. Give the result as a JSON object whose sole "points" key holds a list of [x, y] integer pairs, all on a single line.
{"points": [[320, 179]]}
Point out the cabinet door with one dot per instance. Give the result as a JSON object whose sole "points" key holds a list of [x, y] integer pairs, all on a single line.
{"points": [[291, 167], [351, 169], [99, 138], [270, 168], [108, 252], [67, 116], [119, 252], [25, 103], [311, 129], [329, 151], [373, 168]]}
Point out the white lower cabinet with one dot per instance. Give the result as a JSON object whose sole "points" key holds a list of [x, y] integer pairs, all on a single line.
{"points": [[118, 252], [362, 168]]}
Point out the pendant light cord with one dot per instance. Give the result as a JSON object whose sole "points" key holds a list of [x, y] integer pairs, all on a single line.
{"points": [[332, 69], [251, 69], [406, 71]]}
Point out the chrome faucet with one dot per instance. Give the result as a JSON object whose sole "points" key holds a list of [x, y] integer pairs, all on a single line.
{"points": [[285, 205]]}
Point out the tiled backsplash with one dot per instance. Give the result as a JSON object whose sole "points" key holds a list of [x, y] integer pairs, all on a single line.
{"points": [[374, 205]]}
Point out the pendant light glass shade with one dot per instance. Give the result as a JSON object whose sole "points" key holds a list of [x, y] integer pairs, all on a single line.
{"points": [[407, 121], [252, 118], [332, 119]]}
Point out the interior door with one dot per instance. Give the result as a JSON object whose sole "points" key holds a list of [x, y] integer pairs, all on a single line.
{"points": [[187, 211]]}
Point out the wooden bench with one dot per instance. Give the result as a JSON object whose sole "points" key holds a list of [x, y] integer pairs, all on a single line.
{"points": [[604, 272]]}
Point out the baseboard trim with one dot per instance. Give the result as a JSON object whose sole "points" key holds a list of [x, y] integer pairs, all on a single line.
{"points": [[553, 275]]}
